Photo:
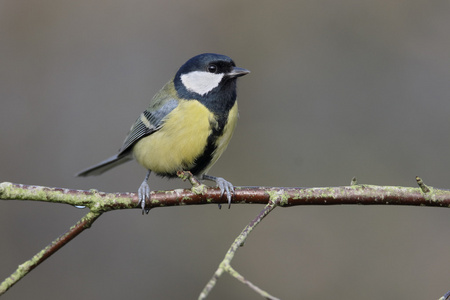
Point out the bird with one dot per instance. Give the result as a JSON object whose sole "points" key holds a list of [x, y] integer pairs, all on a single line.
{"points": [[186, 127]]}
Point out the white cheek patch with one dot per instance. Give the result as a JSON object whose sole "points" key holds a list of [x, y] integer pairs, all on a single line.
{"points": [[201, 82]]}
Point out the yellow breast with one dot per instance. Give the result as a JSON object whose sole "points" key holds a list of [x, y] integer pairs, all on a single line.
{"points": [[179, 142]]}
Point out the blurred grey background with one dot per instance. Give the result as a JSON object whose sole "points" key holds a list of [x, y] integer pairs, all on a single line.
{"points": [[338, 89]]}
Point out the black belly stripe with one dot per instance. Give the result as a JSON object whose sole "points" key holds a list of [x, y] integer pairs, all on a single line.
{"points": [[204, 160]]}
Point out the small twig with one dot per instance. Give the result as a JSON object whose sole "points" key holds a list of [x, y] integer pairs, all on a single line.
{"points": [[422, 185], [36, 260], [197, 187], [446, 296], [186, 175], [225, 265]]}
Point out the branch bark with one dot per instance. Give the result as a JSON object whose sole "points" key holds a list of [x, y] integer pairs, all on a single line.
{"points": [[362, 194]]}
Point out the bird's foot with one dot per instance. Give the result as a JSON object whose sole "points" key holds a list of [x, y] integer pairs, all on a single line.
{"points": [[144, 194], [224, 186]]}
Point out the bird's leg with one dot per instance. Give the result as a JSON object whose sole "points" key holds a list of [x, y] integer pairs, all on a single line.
{"points": [[223, 185], [144, 193]]}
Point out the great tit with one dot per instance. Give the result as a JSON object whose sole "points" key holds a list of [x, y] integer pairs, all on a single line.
{"points": [[187, 125]]}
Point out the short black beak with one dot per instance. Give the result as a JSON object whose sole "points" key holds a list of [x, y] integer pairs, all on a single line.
{"points": [[238, 72]]}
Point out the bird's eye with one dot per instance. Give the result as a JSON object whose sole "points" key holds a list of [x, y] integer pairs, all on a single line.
{"points": [[212, 68]]}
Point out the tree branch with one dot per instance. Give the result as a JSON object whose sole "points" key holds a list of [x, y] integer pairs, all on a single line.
{"points": [[225, 265], [354, 194], [57, 244], [99, 202]]}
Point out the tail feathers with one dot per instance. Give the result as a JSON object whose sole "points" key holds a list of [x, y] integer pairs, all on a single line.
{"points": [[105, 165]]}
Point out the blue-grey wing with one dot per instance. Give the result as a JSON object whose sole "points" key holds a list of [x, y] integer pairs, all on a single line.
{"points": [[147, 123]]}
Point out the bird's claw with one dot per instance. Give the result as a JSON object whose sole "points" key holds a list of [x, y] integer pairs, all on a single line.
{"points": [[144, 194], [225, 187]]}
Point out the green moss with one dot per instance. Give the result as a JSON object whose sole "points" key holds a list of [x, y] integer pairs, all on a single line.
{"points": [[279, 197], [199, 189]]}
